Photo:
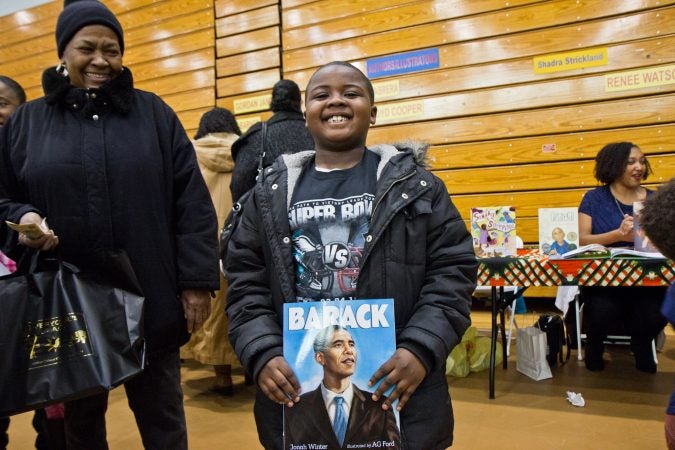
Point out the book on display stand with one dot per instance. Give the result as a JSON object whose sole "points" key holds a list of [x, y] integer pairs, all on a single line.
{"points": [[493, 229]]}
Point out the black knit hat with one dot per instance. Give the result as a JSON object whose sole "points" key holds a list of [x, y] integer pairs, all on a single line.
{"points": [[77, 14]]}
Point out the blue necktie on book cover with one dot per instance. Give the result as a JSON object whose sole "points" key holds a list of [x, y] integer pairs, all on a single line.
{"points": [[340, 421]]}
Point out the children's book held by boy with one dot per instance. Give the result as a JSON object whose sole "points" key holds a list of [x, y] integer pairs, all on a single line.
{"points": [[558, 230], [334, 347], [493, 230]]}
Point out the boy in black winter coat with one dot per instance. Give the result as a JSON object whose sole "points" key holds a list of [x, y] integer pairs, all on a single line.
{"points": [[401, 238]]}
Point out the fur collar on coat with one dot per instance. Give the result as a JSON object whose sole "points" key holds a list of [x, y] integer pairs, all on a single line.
{"points": [[119, 91]]}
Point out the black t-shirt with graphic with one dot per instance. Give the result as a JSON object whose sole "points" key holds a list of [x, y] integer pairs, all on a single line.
{"points": [[329, 218]]}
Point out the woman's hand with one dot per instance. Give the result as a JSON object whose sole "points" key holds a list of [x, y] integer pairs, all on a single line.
{"points": [[196, 307], [626, 227], [403, 371], [47, 241], [277, 381]]}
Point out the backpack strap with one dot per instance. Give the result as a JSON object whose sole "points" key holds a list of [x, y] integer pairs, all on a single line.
{"points": [[232, 220], [263, 151]]}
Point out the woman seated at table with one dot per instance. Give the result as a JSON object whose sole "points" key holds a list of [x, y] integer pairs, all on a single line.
{"points": [[606, 217]]}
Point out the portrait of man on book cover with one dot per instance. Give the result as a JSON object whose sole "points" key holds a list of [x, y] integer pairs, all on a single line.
{"points": [[337, 413]]}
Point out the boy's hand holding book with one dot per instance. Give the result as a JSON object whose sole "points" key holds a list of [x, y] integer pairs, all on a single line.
{"points": [[278, 382], [404, 371]]}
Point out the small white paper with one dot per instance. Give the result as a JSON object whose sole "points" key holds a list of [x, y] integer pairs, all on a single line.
{"points": [[575, 399]]}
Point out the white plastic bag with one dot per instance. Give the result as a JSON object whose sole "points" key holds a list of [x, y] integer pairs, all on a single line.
{"points": [[531, 348]]}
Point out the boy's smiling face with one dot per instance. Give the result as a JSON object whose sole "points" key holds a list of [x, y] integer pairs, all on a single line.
{"points": [[339, 109]]}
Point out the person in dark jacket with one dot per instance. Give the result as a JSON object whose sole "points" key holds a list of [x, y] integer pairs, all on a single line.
{"points": [[12, 96], [111, 168], [657, 219], [399, 236], [286, 133]]}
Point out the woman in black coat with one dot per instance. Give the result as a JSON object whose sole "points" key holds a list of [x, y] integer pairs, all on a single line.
{"points": [[286, 133], [110, 168]]}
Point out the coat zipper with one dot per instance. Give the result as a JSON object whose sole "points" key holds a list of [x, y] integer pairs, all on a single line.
{"points": [[403, 178]]}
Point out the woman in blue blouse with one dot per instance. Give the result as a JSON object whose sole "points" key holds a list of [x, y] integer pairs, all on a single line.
{"points": [[606, 217]]}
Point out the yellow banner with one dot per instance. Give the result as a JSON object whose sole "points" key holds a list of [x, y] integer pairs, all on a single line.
{"points": [[386, 89], [638, 79], [258, 103], [559, 62], [403, 110]]}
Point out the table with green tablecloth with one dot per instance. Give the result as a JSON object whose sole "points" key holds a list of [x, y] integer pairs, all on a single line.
{"points": [[534, 269]]}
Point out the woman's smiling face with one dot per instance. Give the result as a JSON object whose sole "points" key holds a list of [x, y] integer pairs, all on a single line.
{"points": [[93, 57], [636, 167]]}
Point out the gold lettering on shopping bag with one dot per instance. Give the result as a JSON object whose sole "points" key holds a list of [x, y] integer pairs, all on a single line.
{"points": [[53, 340]]}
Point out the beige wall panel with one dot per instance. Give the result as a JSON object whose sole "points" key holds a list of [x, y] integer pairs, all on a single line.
{"points": [[247, 21], [527, 203], [173, 65], [500, 21], [46, 11], [119, 7], [172, 27], [567, 119], [248, 62], [31, 31], [645, 53], [250, 82], [198, 79], [514, 98], [304, 13], [161, 11], [564, 38], [167, 48], [530, 177], [28, 71], [571, 146], [228, 7], [247, 42], [15, 52], [188, 100]]}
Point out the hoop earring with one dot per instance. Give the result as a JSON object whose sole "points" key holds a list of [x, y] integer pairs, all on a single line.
{"points": [[61, 70]]}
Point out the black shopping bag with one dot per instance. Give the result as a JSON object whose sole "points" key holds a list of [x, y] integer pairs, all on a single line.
{"points": [[66, 333]]}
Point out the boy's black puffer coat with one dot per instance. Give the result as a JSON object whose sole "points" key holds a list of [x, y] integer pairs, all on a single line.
{"points": [[418, 252]]}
